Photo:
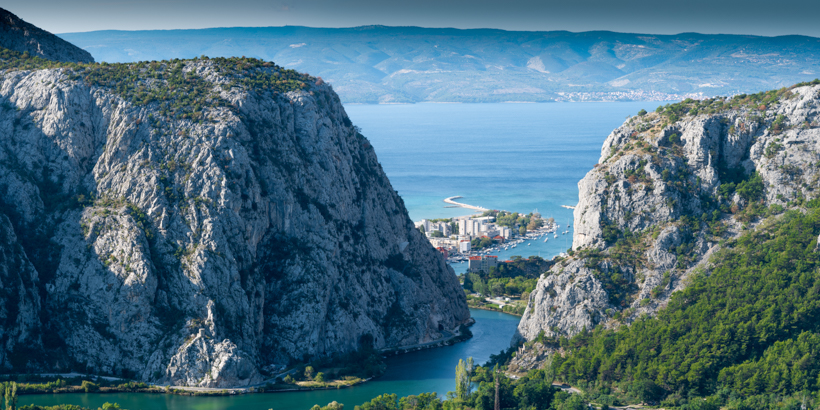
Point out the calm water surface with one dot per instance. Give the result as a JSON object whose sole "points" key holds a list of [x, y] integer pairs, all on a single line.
{"points": [[515, 157], [431, 370]]}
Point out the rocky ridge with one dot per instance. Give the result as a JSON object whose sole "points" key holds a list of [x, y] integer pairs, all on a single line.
{"points": [[20, 36], [199, 222], [669, 187]]}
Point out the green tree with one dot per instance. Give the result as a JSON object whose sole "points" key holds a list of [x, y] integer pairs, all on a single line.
{"points": [[424, 401], [309, 372], [751, 189], [463, 372], [383, 402], [468, 283], [89, 387], [110, 406], [289, 379], [10, 395], [320, 377]]}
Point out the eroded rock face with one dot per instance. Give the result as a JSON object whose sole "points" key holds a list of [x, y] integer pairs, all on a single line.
{"points": [[200, 251], [20, 36], [652, 211], [19, 301]]}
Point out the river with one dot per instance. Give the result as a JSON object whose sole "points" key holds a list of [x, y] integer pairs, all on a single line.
{"points": [[431, 370]]}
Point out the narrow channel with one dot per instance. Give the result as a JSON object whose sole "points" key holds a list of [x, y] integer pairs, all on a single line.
{"points": [[431, 370]]}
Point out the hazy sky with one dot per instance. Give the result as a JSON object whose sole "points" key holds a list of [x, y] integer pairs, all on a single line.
{"points": [[761, 17]]}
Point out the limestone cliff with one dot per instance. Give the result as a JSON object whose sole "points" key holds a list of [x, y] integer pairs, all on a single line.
{"points": [[669, 187], [196, 222]]}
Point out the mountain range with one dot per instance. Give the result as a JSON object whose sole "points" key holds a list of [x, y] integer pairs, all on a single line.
{"points": [[379, 64]]}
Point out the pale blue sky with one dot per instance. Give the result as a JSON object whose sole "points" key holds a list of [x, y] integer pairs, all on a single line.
{"points": [[759, 17]]}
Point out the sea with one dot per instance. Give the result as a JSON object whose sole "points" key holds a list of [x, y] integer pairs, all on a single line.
{"points": [[516, 157]]}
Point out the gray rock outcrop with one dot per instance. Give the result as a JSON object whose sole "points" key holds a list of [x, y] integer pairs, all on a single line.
{"points": [[199, 238], [664, 194]]}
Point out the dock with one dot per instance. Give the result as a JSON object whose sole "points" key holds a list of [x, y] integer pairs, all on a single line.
{"points": [[451, 199]]}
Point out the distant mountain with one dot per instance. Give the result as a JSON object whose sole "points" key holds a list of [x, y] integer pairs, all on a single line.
{"points": [[18, 35], [411, 64]]}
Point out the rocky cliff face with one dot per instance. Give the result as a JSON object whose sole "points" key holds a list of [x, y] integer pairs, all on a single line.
{"points": [[195, 222], [668, 188], [20, 36]]}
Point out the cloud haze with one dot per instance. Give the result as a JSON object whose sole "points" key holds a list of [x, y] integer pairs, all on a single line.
{"points": [[759, 17]]}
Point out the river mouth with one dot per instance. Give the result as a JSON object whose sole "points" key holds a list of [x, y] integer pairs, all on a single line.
{"points": [[429, 370]]}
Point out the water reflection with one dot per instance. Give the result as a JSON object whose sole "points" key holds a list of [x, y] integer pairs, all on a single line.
{"points": [[413, 373]]}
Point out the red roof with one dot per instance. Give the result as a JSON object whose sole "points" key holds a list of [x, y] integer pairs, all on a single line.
{"points": [[498, 237], [508, 261], [475, 258]]}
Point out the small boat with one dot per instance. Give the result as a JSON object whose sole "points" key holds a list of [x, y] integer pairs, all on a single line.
{"points": [[529, 244], [556, 235], [546, 239]]}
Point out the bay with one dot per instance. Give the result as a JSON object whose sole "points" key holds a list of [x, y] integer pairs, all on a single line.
{"points": [[513, 157]]}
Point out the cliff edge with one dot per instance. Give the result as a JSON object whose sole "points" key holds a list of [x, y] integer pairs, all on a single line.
{"points": [[199, 222], [22, 37], [669, 188]]}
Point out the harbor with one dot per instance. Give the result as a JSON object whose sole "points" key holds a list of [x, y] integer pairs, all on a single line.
{"points": [[490, 237]]}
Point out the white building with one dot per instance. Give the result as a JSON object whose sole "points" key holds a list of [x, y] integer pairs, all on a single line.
{"points": [[462, 227], [464, 246]]}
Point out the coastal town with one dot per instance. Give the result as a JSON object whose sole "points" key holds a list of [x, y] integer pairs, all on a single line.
{"points": [[473, 238]]}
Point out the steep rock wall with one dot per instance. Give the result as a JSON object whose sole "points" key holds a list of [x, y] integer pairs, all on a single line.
{"points": [[659, 202], [202, 250]]}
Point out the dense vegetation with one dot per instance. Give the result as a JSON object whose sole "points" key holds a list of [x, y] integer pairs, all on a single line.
{"points": [[534, 391], [748, 328], [516, 221], [515, 278], [744, 335]]}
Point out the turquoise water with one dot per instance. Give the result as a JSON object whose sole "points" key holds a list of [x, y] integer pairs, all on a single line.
{"points": [[515, 157], [413, 373]]}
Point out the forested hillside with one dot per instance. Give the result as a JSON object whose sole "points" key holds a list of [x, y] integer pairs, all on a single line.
{"points": [[747, 324]]}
